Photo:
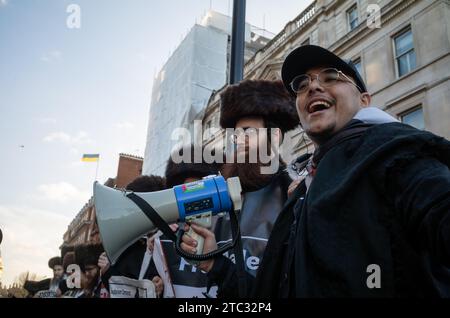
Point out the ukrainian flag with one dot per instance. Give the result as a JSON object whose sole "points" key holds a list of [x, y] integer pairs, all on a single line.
{"points": [[90, 157]]}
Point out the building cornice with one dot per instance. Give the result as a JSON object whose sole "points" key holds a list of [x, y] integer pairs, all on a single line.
{"points": [[125, 155], [310, 16], [301, 22]]}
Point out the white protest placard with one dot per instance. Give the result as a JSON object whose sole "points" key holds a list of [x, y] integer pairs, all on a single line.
{"points": [[45, 294], [124, 287]]}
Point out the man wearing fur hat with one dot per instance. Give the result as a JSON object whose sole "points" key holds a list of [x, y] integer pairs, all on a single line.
{"points": [[68, 258], [260, 112]]}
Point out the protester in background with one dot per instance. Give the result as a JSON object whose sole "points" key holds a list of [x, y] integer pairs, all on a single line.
{"points": [[55, 264], [65, 249], [63, 289], [86, 256], [45, 288]]}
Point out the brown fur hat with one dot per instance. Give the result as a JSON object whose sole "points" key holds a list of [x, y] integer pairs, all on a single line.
{"points": [[176, 173], [268, 99], [65, 249], [52, 262], [147, 184], [87, 254], [69, 258]]}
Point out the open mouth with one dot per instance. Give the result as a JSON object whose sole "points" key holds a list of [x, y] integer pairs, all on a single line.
{"points": [[318, 106]]}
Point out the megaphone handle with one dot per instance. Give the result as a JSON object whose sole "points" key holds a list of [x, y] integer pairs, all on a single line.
{"points": [[200, 240]]}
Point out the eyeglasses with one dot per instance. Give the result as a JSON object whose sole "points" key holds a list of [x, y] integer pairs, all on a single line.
{"points": [[326, 77]]}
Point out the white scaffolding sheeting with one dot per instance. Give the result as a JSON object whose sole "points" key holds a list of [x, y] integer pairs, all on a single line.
{"points": [[182, 89]]}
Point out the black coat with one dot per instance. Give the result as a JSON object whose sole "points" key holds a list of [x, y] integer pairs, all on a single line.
{"points": [[259, 212], [382, 199], [258, 215]]}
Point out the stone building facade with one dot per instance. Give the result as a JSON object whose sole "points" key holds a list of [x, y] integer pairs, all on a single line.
{"points": [[402, 49]]}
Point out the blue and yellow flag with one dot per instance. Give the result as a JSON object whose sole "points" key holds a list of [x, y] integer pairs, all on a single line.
{"points": [[90, 157]]}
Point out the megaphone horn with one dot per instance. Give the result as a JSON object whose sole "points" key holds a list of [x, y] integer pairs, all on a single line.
{"points": [[122, 221]]}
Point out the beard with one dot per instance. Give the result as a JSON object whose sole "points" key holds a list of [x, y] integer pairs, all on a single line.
{"points": [[249, 175]]}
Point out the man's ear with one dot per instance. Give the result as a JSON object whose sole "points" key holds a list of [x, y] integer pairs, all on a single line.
{"points": [[365, 100]]}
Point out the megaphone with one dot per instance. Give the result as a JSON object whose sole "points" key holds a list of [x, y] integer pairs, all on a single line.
{"points": [[122, 221]]}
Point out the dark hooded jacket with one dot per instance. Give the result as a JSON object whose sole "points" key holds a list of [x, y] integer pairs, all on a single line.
{"points": [[375, 222], [378, 205], [259, 212]]}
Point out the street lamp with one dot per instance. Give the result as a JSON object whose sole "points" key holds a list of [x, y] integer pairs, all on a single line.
{"points": [[237, 42]]}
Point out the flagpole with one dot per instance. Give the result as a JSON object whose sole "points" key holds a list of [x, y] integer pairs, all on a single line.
{"points": [[96, 169]]}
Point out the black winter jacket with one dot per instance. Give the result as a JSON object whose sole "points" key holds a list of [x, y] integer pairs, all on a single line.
{"points": [[380, 200], [378, 205]]}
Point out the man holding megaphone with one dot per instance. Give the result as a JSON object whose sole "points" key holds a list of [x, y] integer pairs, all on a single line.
{"points": [[142, 260], [125, 216], [188, 280]]}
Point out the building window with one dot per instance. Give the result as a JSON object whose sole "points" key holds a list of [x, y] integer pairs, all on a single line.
{"points": [[352, 17], [404, 52], [358, 65], [414, 118]]}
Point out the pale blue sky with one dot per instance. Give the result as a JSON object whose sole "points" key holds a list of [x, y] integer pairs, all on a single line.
{"points": [[65, 92]]}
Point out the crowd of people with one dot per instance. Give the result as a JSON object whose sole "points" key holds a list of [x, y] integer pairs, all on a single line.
{"points": [[367, 214]]}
